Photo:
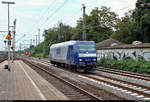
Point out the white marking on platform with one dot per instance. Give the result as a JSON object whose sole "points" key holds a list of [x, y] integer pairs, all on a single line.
{"points": [[124, 90], [38, 90], [142, 90], [124, 84], [128, 92], [140, 96], [146, 91], [138, 88], [134, 94], [146, 98], [134, 87], [115, 87], [112, 86], [119, 89], [108, 85]]}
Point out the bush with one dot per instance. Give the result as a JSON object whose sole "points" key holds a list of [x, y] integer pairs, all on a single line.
{"points": [[126, 65]]}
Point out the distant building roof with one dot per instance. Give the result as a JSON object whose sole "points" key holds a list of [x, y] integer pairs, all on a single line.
{"points": [[128, 46], [107, 43]]}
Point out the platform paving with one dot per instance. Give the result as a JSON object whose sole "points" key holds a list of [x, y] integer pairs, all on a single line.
{"points": [[23, 83]]}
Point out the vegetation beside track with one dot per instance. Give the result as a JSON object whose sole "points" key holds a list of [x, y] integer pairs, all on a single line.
{"points": [[130, 65], [38, 51]]}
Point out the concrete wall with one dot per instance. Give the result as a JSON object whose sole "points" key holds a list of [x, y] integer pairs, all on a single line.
{"points": [[120, 54]]}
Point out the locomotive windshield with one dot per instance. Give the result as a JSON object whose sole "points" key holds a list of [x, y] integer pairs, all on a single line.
{"points": [[86, 47]]}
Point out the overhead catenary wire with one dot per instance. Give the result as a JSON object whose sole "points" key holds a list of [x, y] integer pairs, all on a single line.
{"points": [[45, 11], [75, 15], [72, 17], [105, 2], [51, 4], [51, 15], [88, 5], [55, 12], [125, 7], [102, 4], [61, 7], [119, 10]]}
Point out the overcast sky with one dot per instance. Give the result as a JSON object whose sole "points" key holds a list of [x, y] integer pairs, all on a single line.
{"points": [[34, 14]]}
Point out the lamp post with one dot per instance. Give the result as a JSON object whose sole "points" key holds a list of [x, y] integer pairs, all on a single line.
{"points": [[9, 40]]}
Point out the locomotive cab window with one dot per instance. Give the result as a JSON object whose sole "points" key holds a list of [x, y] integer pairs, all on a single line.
{"points": [[86, 47]]}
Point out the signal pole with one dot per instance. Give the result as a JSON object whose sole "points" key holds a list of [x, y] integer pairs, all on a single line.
{"points": [[13, 43], [9, 40], [39, 36], [84, 23]]}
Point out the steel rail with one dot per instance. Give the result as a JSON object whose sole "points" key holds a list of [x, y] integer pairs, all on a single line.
{"points": [[129, 89], [122, 73], [93, 97]]}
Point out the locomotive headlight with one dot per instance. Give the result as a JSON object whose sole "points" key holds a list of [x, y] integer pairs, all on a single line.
{"points": [[80, 60], [94, 59]]}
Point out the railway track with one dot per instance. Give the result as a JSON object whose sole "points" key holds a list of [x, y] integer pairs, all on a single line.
{"points": [[138, 91], [118, 72], [3, 57], [125, 73], [130, 88], [141, 91], [74, 91]]}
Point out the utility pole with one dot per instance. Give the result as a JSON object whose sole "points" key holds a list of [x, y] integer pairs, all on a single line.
{"points": [[36, 40], [59, 34], [13, 43], [65, 35], [24, 45], [84, 23], [30, 42], [45, 42], [9, 40], [33, 42], [20, 48], [39, 36], [30, 45]]}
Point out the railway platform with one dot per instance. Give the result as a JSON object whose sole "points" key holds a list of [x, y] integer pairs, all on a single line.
{"points": [[23, 83]]}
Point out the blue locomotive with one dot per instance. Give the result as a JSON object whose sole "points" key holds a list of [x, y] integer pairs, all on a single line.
{"points": [[78, 55]]}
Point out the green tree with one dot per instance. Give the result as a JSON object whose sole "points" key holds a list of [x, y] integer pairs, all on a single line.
{"points": [[99, 25], [58, 34], [136, 26], [142, 21], [123, 29]]}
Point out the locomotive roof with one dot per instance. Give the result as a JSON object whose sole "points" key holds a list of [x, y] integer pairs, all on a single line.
{"points": [[68, 43]]}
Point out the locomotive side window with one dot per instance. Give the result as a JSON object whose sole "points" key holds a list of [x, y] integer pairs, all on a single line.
{"points": [[58, 51]]}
